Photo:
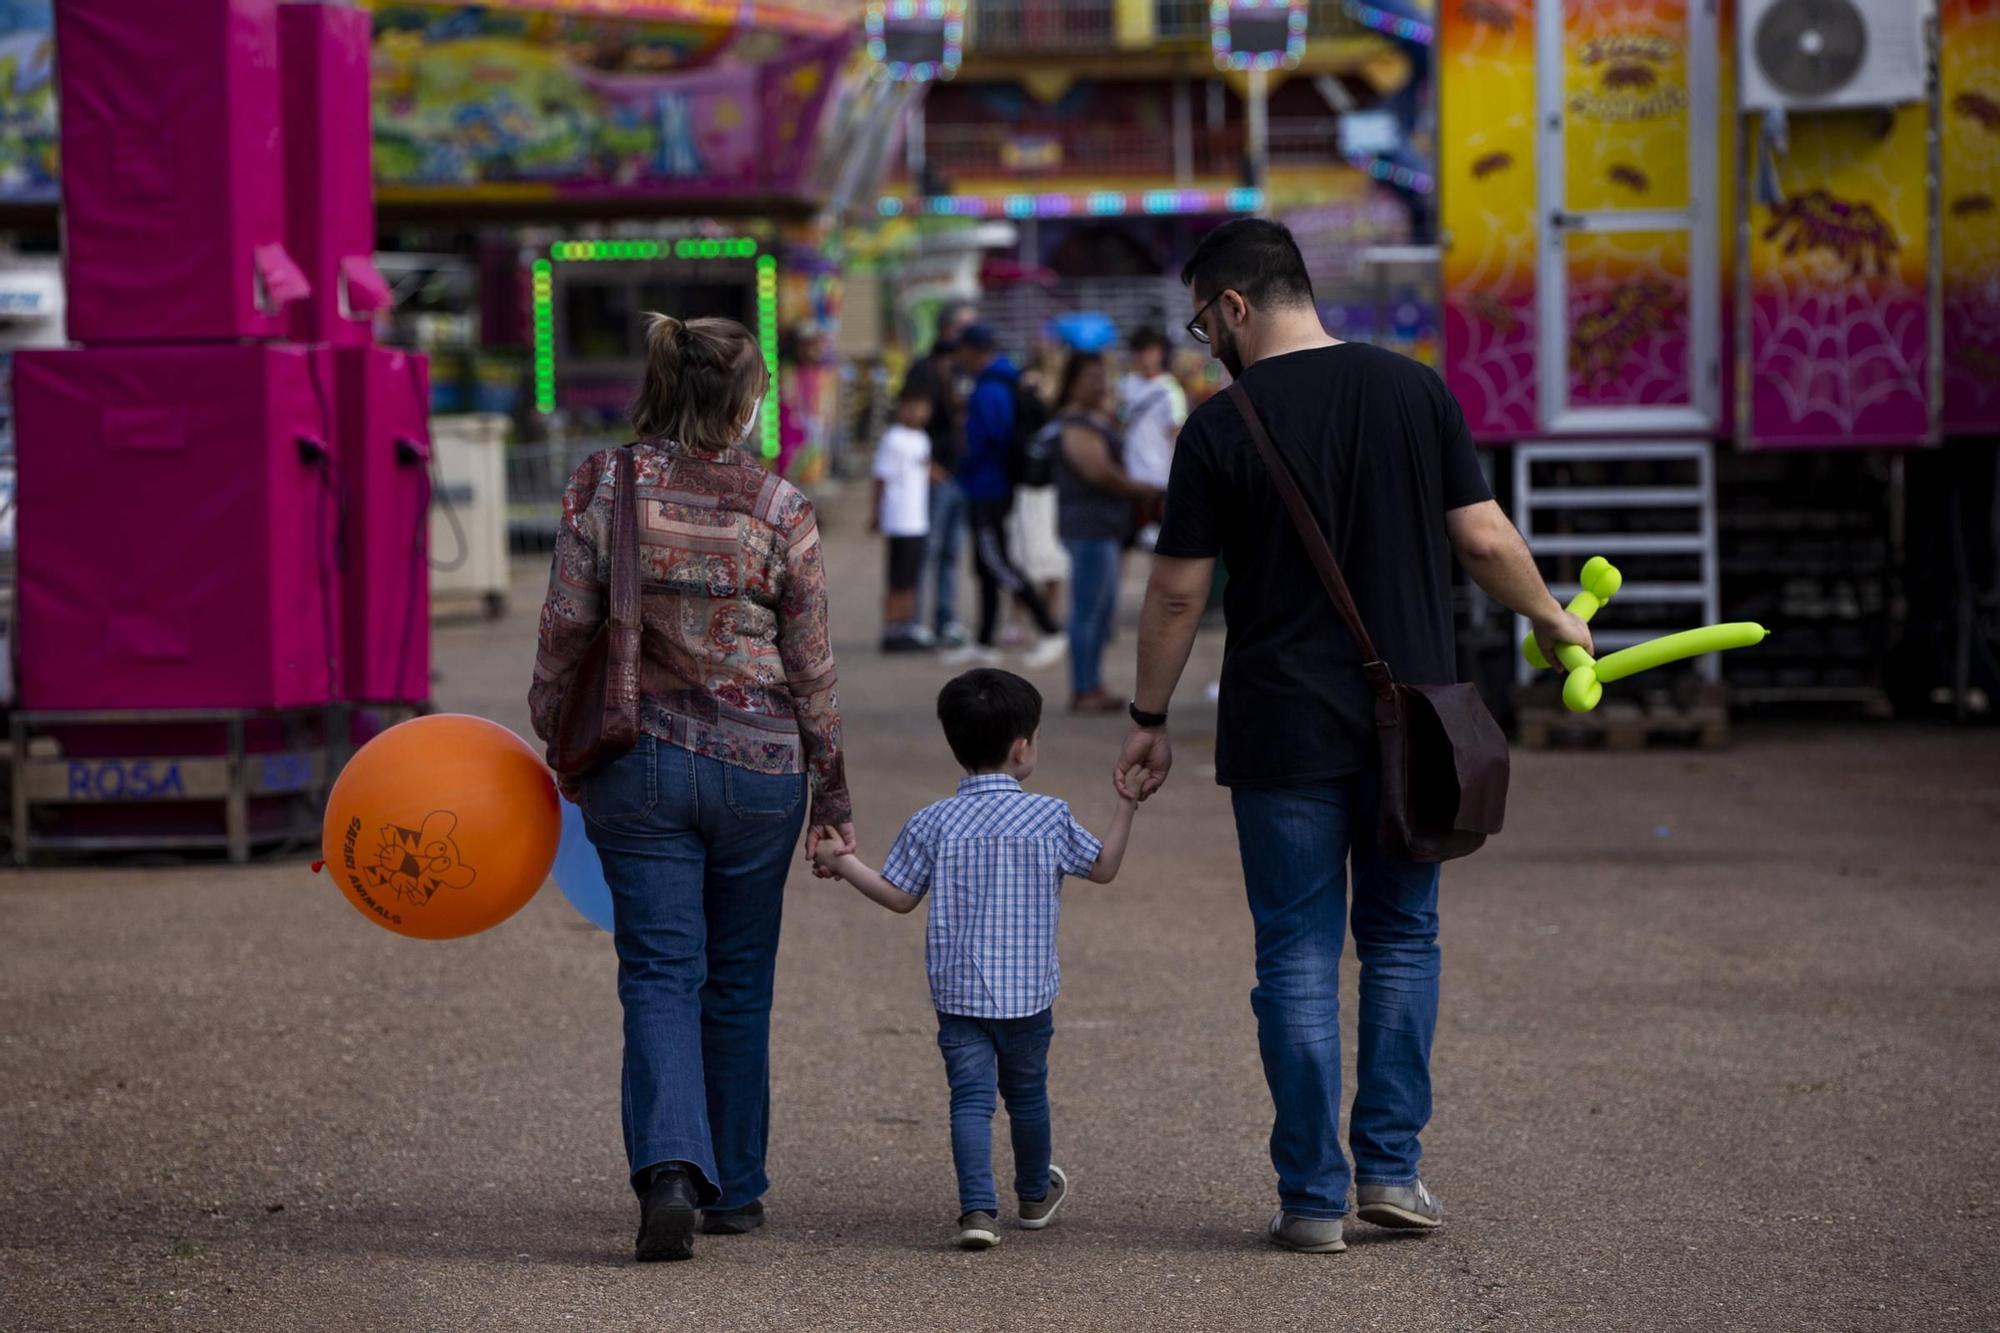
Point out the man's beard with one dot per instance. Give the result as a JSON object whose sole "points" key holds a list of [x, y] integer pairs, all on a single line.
{"points": [[1227, 352]]}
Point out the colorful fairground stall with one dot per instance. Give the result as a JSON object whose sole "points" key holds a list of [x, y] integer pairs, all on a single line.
{"points": [[1725, 277], [687, 156]]}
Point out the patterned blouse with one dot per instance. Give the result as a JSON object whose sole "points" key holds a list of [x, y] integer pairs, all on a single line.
{"points": [[735, 660]]}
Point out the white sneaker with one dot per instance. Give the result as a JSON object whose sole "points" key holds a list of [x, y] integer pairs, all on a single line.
{"points": [[970, 654], [1048, 650]]}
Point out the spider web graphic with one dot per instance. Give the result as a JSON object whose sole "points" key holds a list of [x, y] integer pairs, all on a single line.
{"points": [[1490, 324], [1838, 323]]}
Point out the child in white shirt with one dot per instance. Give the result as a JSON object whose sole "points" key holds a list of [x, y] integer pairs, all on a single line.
{"points": [[902, 514]]}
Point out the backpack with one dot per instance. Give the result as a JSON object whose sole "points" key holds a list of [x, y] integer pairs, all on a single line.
{"points": [[1031, 460]]}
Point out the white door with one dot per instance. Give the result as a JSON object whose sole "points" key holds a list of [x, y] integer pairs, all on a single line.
{"points": [[1629, 295]]}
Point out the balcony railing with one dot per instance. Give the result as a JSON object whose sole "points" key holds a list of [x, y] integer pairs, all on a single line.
{"points": [[1071, 149], [1187, 20], [1012, 27]]}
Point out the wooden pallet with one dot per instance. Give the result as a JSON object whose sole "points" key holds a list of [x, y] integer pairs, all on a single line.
{"points": [[1698, 718]]}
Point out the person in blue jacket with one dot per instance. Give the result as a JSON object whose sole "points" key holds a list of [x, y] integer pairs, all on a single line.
{"points": [[985, 474]]}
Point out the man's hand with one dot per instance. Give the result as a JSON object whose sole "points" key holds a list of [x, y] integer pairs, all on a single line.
{"points": [[1559, 626], [838, 838], [1147, 757]]}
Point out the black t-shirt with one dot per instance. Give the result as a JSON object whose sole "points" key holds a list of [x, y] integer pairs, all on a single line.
{"points": [[1381, 451], [931, 376]]}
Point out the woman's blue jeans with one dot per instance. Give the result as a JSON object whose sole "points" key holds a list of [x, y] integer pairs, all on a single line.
{"points": [[1296, 844], [696, 852], [1093, 594]]}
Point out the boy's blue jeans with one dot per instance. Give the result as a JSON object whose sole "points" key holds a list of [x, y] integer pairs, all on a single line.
{"points": [[1296, 843], [1012, 1053]]}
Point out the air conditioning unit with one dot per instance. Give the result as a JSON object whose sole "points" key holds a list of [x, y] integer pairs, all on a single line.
{"points": [[1813, 55]]}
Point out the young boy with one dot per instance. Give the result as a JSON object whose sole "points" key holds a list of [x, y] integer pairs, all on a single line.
{"points": [[903, 515], [993, 859]]}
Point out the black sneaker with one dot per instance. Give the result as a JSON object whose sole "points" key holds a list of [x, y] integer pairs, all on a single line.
{"points": [[978, 1231], [667, 1216], [733, 1221]]}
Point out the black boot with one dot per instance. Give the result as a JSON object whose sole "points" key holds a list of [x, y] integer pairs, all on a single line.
{"points": [[667, 1215], [733, 1221]]}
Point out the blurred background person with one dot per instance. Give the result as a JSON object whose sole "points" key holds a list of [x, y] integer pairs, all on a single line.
{"points": [[1099, 500], [1154, 407], [902, 515], [935, 376], [1031, 524]]}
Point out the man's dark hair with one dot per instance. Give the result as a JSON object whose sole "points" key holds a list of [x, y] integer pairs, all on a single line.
{"points": [[984, 712], [1146, 336], [1256, 257]]}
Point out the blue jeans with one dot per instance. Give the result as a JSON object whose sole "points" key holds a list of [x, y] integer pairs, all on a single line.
{"points": [[1014, 1054], [696, 852], [941, 559], [1296, 843], [1093, 602]]}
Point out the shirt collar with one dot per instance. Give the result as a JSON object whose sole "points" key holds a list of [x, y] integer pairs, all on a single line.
{"points": [[979, 784]]}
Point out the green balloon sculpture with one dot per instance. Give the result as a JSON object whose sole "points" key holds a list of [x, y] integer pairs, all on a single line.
{"points": [[1588, 677]]}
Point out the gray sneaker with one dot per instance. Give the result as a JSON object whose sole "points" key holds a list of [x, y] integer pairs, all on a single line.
{"points": [[1038, 1213], [1408, 1207], [978, 1231], [1307, 1235]]}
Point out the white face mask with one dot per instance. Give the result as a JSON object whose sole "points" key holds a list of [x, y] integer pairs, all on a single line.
{"points": [[750, 427]]}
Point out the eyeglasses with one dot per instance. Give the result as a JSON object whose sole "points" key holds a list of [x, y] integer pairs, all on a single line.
{"points": [[1194, 326]]}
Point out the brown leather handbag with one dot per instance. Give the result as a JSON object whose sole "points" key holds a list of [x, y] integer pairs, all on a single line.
{"points": [[1444, 759], [599, 717]]}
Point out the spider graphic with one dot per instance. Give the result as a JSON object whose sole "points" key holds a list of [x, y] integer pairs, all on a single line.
{"points": [[1493, 13], [1600, 338], [1495, 312], [1972, 205], [1629, 176], [1490, 163], [1978, 107], [1629, 74], [1852, 231]]}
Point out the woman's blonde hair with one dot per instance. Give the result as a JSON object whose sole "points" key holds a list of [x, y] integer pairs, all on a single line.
{"points": [[704, 377]]}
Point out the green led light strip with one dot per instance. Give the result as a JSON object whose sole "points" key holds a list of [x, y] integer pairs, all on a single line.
{"points": [[688, 247], [545, 336], [767, 334]]}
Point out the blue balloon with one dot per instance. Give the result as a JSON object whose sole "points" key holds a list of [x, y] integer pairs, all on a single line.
{"points": [[579, 873]]}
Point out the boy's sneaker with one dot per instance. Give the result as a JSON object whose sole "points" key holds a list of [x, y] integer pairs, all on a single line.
{"points": [[1408, 1207], [970, 654], [978, 1231], [1048, 650], [1038, 1213], [1307, 1235]]}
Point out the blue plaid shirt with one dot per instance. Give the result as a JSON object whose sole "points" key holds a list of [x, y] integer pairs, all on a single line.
{"points": [[993, 858]]}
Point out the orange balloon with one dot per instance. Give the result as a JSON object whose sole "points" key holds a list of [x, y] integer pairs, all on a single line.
{"points": [[442, 826]]}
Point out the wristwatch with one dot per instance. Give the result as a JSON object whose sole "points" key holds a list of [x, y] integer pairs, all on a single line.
{"points": [[1144, 719]]}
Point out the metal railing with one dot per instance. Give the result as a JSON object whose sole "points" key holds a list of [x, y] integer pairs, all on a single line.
{"points": [[1019, 26], [983, 149]]}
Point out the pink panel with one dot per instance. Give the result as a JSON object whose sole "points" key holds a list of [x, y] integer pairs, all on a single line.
{"points": [[177, 528], [384, 397], [329, 187], [173, 185]]}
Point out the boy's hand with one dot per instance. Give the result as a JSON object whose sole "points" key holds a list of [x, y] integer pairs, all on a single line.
{"points": [[1129, 782], [826, 860]]}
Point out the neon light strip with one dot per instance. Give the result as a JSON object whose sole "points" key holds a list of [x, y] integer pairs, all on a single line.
{"points": [[1096, 203], [767, 337], [545, 336], [1396, 25], [1382, 169], [949, 12], [1295, 34]]}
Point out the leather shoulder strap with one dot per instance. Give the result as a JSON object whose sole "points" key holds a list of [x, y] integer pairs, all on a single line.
{"points": [[1315, 541], [624, 609]]}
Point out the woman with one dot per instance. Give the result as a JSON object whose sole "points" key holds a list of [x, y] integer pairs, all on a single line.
{"points": [[696, 824], [1031, 524], [1095, 513]]}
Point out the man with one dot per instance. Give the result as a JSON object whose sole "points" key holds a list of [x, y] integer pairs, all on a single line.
{"points": [[1155, 408], [985, 473], [933, 376], [1388, 467]]}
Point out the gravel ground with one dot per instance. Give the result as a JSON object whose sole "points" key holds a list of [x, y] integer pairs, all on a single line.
{"points": [[1719, 1049]]}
